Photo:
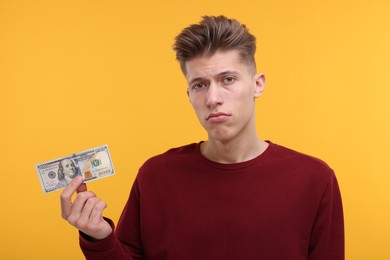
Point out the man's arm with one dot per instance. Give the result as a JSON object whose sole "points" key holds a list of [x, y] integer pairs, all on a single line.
{"points": [[97, 236], [327, 238], [85, 213]]}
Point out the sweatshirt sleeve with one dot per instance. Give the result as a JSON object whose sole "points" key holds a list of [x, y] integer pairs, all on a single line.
{"points": [[327, 237], [122, 244]]}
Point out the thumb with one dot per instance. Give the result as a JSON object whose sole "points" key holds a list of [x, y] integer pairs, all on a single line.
{"points": [[81, 188]]}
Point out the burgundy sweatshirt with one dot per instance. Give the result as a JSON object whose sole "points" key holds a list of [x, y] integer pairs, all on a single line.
{"points": [[280, 205]]}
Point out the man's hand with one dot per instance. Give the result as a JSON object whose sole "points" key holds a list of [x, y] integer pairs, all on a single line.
{"points": [[85, 213]]}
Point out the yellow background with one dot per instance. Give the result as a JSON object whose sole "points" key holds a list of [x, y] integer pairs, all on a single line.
{"points": [[79, 74]]}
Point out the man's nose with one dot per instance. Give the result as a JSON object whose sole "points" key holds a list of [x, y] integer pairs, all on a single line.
{"points": [[214, 95]]}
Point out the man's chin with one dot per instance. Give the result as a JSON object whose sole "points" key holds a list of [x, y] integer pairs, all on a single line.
{"points": [[220, 136]]}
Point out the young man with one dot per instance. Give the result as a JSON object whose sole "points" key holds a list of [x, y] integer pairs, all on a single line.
{"points": [[233, 196]]}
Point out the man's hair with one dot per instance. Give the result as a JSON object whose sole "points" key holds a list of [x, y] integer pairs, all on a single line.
{"points": [[212, 34]]}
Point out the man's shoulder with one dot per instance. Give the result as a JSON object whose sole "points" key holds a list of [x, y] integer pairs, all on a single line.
{"points": [[283, 152], [173, 155], [299, 161]]}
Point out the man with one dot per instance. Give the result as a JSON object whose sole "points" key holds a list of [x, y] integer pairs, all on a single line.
{"points": [[233, 196]]}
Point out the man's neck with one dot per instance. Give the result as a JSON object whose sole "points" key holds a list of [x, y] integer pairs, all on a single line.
{"points": [[233, 151]]}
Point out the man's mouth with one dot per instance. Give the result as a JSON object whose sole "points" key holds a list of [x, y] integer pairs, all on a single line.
{"points": [[217, 117]]}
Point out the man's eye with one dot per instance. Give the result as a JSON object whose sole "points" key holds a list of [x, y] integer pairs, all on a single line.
{"points": [[228, 80], [199, 86]]}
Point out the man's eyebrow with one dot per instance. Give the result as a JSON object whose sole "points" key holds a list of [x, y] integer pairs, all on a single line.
{"points": [[227, 72], [195, 80], [218, 75]]}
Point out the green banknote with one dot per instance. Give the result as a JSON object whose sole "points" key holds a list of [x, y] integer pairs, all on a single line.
{"points": [[91, 164]]}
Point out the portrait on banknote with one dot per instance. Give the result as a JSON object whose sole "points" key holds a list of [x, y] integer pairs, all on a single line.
{"points": [[67, 171]]}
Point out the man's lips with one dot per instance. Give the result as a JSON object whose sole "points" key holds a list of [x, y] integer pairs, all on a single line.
{"points": [[217, 117]]}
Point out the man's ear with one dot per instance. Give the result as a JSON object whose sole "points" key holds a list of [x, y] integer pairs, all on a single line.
{"points": [[260, 84]]}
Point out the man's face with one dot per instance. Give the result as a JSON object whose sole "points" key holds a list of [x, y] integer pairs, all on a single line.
{"points": [[222, 90], [68, 168]]}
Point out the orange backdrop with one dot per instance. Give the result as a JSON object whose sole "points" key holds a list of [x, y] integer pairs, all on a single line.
{"points": [[79, 74]]}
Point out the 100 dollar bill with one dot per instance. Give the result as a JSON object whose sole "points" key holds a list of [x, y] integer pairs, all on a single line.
{"points": [[92, 164]]}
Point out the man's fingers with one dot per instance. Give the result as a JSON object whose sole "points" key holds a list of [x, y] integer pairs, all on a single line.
{"points": [[89, 208], [81, 199], [97, 212], [81, 188], [71, 188], [85, 212], [66, 196]]}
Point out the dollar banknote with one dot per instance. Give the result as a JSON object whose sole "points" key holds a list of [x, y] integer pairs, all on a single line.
{"points": [[91, 164]]}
